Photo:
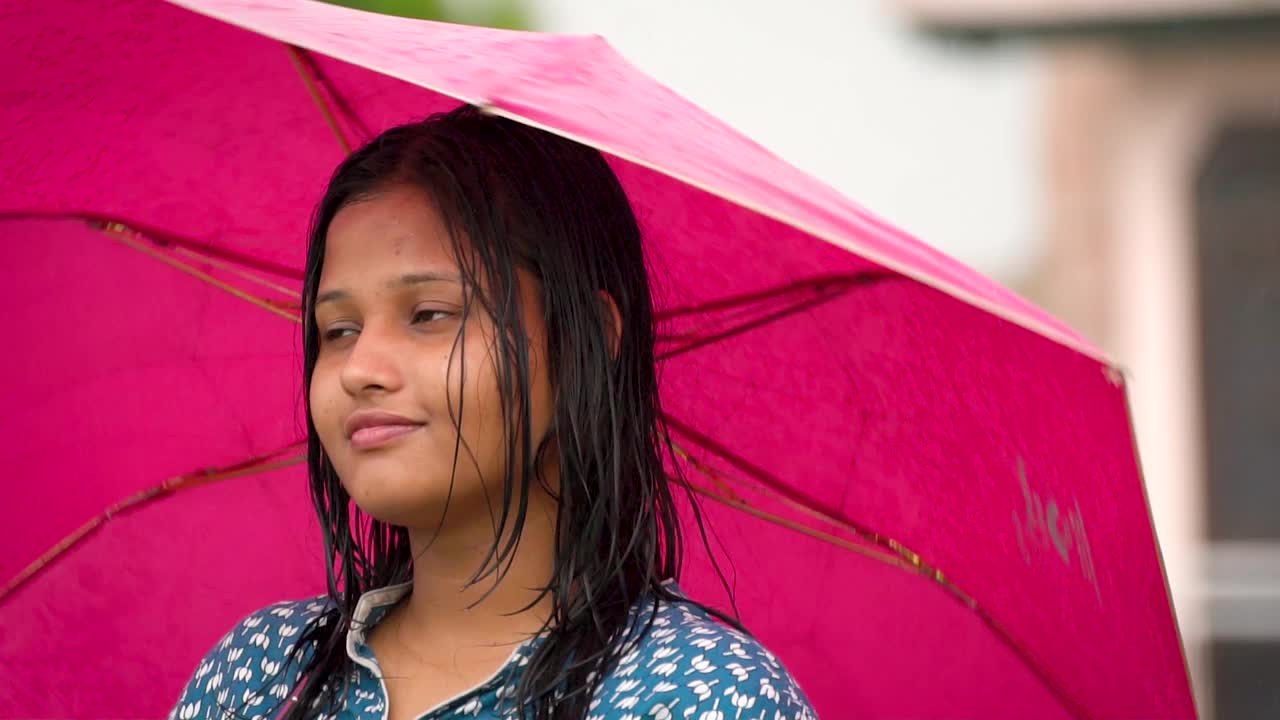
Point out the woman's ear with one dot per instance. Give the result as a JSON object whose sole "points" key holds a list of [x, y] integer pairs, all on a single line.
{"points": [[614, 327]]}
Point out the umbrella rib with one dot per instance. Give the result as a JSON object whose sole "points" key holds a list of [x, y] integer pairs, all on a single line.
{"points": [[233, 269], [703, 341], [825, 283], [816, 282], [310, 80], [759, 475], [727, 496], [335, 96], [121, 234], [899, 555], [258, 464], [743, 506], [158, 236]]}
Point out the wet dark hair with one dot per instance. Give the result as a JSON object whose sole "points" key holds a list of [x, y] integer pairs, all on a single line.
{"points": [[515, 197]]}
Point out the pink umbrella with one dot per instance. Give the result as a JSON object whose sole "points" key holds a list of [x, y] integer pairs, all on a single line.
{"points": [[927, 486]]}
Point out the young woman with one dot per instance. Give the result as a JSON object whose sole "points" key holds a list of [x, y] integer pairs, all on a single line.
{"points": [[486, 457]]}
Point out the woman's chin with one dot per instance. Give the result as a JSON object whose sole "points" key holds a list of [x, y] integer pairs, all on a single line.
{"points": [[403, 514], [390, 503]]}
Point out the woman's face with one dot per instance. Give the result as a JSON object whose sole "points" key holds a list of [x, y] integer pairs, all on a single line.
{"points": [[388, 313]]}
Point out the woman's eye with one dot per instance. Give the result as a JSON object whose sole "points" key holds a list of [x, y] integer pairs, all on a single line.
{"points": [[336, 333], [429, 315]]}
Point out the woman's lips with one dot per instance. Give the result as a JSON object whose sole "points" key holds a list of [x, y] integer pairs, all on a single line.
{"points": [[377, 435]]}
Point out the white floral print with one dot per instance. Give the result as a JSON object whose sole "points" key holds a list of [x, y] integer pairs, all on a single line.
{"points": [[688, 665]]}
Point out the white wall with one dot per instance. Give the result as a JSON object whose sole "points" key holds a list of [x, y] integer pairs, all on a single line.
{"points": [[940, 141]]}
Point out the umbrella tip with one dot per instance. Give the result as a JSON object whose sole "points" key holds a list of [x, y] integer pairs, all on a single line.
{"points": [[1114, 374]]}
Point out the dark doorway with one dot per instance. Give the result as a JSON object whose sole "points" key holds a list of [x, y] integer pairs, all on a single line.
{"points": [[1238, 243]]}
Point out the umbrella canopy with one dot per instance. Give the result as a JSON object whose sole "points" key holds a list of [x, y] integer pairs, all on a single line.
{"points": [[927, 487]]}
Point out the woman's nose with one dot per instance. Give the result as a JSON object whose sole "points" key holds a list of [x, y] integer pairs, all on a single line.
{"points": [[372, 363]]}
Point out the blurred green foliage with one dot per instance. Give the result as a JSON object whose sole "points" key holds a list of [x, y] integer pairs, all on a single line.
{"points": [[509, 14]]}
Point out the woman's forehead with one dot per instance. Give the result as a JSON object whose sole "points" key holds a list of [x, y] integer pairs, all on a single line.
{"points": [[385, 236]]}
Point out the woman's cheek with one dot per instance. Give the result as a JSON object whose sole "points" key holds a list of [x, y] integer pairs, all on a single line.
{"points": [[326, 414]]}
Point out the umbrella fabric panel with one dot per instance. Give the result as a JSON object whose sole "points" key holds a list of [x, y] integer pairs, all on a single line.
{"points": [[865, 639], [121, 624], [977, 503], [129, 372], [1005, 460], [154, 114]]}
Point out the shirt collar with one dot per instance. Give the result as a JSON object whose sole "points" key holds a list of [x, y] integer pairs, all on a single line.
{"points": [[373, 605], [370, 608]]}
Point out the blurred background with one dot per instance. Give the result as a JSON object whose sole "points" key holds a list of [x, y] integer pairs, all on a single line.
{"points": [[1116, 162]]}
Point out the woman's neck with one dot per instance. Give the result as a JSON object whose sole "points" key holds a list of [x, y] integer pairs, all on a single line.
{"points": [[444, 607], [449, 635]]}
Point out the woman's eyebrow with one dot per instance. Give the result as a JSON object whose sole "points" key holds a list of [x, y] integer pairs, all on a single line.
{"points": [[417, 278], [402, 281]]}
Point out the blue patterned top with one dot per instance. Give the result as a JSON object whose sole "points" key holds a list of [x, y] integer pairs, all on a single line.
{"points": [[689, 666]]}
